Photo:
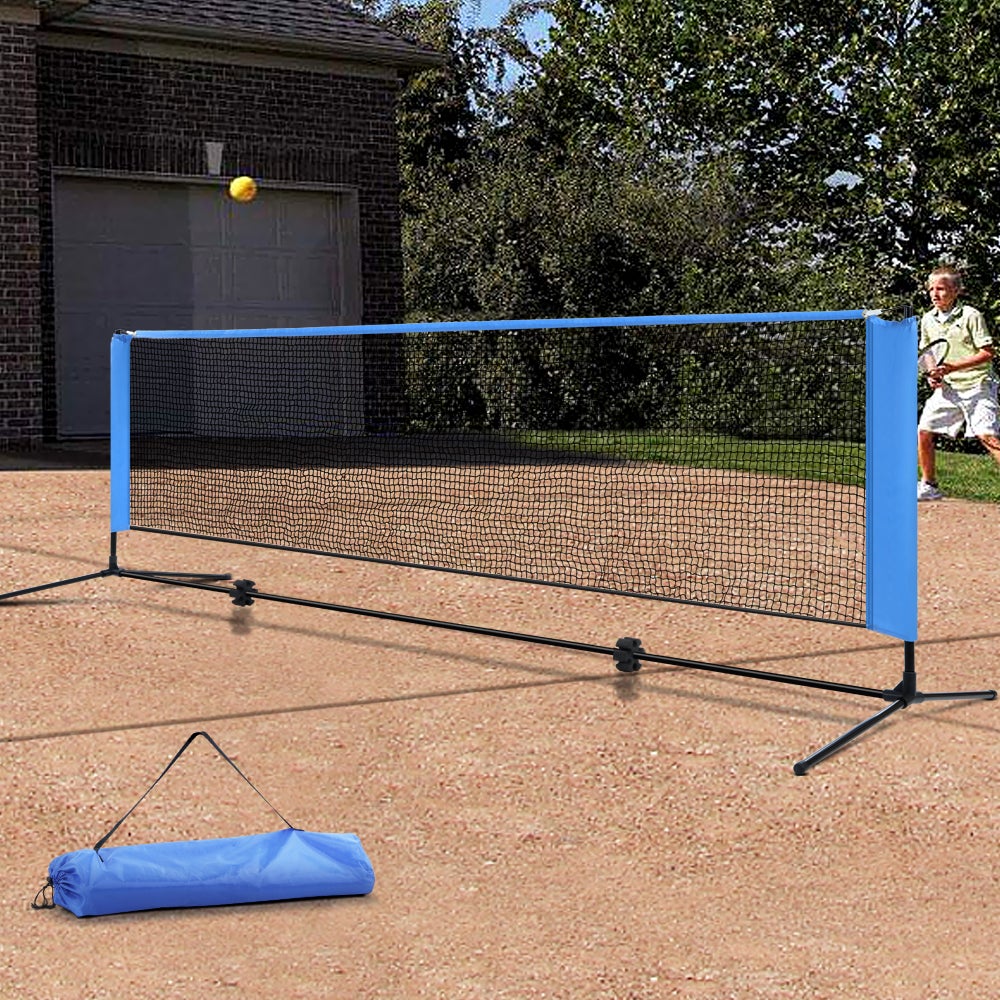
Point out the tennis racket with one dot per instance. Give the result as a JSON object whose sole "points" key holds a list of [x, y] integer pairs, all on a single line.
{"points": [[932, 356]]}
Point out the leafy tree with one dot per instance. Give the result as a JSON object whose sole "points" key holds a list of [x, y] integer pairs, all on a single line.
{"points": [[718, 154], [443, 111], [896, 98], [575, 237]]}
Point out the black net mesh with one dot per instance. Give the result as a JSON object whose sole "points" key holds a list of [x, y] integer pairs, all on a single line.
{"points": [[718, 464]]}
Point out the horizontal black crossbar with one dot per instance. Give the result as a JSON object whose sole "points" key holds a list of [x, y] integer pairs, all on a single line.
{"points": [[240, 593]]}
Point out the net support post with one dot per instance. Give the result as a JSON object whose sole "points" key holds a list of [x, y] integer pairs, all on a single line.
{"points": [[121, 344], [905, 694], [890, 478], [119, 466]]}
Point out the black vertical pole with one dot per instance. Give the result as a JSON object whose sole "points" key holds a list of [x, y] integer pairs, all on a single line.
{"points": [[907, 689]]}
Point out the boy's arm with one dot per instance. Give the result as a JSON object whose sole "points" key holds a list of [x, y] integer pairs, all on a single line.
{"points": [[981, 357]]}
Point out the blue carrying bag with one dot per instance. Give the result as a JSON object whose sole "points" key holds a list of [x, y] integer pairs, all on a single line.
{"points": [[282, 865]]}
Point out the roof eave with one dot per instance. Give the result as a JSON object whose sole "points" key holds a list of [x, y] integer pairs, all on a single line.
{"points": [[398, 55]]}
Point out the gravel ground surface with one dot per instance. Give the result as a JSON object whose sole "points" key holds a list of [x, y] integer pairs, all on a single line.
{"points": [[541, 826]]}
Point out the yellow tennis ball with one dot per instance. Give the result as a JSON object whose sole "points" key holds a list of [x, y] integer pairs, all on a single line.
{"points": [[243, 188]]}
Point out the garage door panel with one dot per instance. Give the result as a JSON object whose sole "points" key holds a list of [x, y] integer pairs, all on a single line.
{"points": [[209, 278], [256, 279], [149, 255], [87, 272], [254, 225], [96, 219], [82, 364], [306, 226], [80, 373], [207, 212], [265, 319], [161, 276], [309, 283], [153, 317]]}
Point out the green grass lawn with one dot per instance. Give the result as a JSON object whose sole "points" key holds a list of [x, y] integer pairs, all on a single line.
{"points": [[964, 476], [968, 477], [825, 461]]}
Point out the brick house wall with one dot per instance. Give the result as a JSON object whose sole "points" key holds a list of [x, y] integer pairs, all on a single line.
{"points": [[91, 107], [20, 348]]}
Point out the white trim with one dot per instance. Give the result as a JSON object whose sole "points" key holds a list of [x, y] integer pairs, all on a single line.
{"points": [[138, 175]]}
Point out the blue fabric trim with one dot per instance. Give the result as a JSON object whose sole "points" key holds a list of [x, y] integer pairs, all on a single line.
{"points": [[513, 324], [120, 432], [890, 479]]}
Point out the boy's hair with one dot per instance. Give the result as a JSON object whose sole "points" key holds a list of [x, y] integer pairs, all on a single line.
{"points": [[950, 273]]}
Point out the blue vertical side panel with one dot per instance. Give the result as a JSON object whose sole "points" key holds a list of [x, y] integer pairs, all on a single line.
{"points": [[121, 344], [890, 478]]}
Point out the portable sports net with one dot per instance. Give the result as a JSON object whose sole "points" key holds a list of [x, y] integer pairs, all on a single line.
{"points": [[761, 463], [718, 463]]}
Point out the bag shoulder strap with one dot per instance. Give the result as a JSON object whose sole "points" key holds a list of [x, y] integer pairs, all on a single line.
{"points": [[187, 743]]}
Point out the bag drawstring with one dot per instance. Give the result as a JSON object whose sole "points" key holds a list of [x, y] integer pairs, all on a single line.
{"points": [[45, 892]]}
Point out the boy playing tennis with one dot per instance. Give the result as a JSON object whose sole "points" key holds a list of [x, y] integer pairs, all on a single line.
{"points": [[965, 390]]}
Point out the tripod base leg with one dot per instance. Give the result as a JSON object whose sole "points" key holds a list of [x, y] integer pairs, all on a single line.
{"points": [[56, 583], [959, 696], [145, 574], [831, 748], [852, 734]]}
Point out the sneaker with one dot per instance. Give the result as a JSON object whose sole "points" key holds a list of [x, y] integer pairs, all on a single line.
{"points": [[928, 491]]}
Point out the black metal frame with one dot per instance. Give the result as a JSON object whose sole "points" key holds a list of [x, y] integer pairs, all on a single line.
{"points": [[627, 653]]}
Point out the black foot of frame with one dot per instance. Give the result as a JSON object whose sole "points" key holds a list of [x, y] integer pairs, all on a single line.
{"points": [[113, 569], [57, 583], [162, 577], [901, 696]]}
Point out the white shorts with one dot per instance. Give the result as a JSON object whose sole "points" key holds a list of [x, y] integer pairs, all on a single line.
{"points": [[948, 409]]}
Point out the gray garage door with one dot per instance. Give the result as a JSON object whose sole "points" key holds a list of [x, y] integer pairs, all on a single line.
{"points": [[138, 255]]}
